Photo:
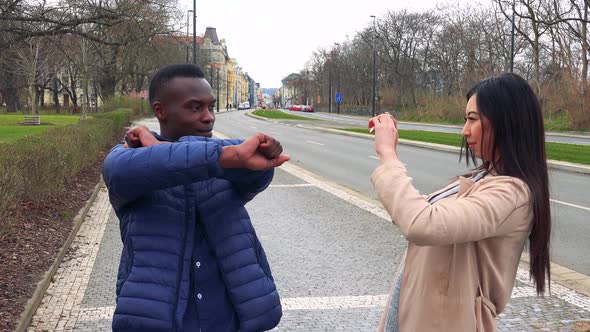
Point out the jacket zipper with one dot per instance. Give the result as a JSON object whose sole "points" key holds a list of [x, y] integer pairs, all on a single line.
{"points": [[181, 260]]}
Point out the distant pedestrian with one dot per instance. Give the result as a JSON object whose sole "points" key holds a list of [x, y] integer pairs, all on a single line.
{"points": [[191, 260], [465, 241]]}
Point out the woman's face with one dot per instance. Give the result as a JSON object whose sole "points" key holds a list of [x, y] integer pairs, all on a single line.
{"points": [[473, 131]]}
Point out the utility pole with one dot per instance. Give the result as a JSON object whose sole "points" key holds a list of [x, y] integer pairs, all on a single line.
{"points": [[187, 28], [236, 87], [512, 40], [218, 101], [330, 90], [374, 69], [337, 77], [195, 32]]}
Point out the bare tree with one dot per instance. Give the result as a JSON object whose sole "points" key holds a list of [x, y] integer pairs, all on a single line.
{"points": [[31, 60]]}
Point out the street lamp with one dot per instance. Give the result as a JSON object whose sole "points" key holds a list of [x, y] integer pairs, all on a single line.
{"points": [[337, 77], [330, 84], [512, 40], [188, 12], [374, 68], [236, 87], [195, 32]]}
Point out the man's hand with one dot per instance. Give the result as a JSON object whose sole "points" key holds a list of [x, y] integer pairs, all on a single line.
{"points": [[271, 149], [259, 152], [140, 137]]}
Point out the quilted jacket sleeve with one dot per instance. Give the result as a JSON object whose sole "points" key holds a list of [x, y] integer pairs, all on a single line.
{"points": [[130, 173]]}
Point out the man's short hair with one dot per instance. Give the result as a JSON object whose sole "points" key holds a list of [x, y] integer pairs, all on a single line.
{"points": [[167, 73]]}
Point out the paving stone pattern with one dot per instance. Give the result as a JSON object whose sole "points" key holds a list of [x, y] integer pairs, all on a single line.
{"points": [[332, 256]]}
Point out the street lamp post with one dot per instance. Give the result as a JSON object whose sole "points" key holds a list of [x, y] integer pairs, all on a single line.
{"points": [[306, 86], [374, 69], [337, 77], [218, 101], [330, 87], [512, 40], [195, 32], [236, 87], [188, 12]]}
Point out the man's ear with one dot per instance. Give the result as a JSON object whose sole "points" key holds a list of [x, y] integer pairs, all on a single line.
{"points": [[159, 111]]}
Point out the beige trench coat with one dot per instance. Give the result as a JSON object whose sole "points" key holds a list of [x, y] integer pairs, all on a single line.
{"points": [[463, 251]]}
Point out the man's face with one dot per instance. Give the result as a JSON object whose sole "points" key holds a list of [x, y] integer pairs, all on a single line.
{"points": [[186, 108]]}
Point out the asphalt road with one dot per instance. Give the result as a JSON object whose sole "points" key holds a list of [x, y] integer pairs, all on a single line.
{"points": [[359, 121], [350, 161]]}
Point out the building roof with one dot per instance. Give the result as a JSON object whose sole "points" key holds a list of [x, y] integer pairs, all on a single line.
{"points": [[290, 77], [211, 33]]}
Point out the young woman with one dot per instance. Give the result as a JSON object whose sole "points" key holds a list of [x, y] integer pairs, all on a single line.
{"points": [[465, 240]]}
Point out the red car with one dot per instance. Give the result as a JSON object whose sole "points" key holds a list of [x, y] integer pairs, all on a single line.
{"points": [[295, 108]]}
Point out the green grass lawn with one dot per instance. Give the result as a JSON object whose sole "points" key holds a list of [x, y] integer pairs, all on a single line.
{"points": [[557, 151], [11, 128], [275, 114], [558, 122]]}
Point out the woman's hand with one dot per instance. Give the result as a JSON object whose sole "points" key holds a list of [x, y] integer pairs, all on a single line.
{"points": [[386, 136]]}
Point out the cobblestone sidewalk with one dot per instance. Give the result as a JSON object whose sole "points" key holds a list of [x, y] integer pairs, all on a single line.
{"points": [[332, 256]]}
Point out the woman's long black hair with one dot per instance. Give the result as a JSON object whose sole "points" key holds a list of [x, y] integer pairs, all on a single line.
{"points": [[516, 119]]}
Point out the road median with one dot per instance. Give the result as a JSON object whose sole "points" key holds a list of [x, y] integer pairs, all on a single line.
{"points": [[553, 164]]}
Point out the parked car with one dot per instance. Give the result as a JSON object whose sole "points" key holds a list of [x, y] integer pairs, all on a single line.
{"points": [[295, 108], [244, 106], [307, 108]]}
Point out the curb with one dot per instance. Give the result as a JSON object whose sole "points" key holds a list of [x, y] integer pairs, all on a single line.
{"points": [[564, 276], [547, 133], [252, 115], [34, 302], [569, 134], [553, 164]]}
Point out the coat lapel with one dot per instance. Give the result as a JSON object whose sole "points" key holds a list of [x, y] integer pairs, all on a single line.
{"points": [[441, 190], [464, 185]]}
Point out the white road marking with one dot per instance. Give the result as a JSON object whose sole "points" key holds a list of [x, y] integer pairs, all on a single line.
{"points": [[374, 157], [316, 143], [570, 204], [297, 185], [334, 302], [289, 303]]}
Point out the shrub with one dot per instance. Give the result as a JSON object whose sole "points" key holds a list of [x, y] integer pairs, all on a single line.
{"points": [[114, 103], [37, 166]]}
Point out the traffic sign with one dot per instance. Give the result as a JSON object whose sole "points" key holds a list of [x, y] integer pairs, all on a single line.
{"points": [[338, 97]]}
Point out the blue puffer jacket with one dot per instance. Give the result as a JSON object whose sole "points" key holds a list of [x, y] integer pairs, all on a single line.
{"points": [[157, 193]]}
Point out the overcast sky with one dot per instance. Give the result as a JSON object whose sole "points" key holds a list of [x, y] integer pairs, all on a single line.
{"points": [[273, 38]]}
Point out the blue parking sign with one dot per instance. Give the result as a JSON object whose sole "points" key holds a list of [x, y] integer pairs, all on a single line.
{"points": [[338, 97]]}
